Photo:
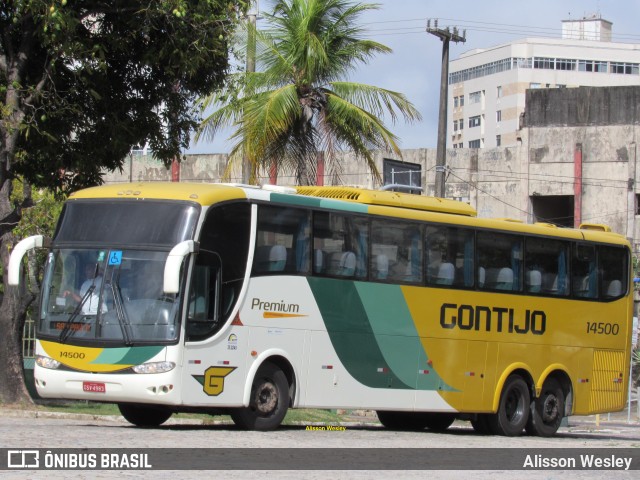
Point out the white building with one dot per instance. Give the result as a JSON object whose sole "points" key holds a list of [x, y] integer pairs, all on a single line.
{"points": [[487, 86]]}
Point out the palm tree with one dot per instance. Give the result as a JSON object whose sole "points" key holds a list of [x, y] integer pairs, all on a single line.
{"points": [[297, 103]]}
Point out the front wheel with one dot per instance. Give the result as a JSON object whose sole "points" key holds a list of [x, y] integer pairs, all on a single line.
{"points": [[268, 403], [513, 410], [547, 410], [144, 415]]}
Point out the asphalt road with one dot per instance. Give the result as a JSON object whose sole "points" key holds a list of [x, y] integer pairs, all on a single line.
{"points": [[28, 430]]}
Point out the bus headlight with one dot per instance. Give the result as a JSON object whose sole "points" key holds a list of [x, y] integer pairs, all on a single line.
{"points": [[154, 367], [47, 362]]}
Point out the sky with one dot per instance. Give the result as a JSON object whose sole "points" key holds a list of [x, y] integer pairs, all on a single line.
{"points": [[413, 68]]}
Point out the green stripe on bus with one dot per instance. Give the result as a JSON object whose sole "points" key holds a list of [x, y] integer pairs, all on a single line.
{"points": [[316, 202], [397, 337], [127, 355], [351, 334]]}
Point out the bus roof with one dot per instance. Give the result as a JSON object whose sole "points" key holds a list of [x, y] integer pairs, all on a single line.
{"points": [[202, 193], [375, 202]]}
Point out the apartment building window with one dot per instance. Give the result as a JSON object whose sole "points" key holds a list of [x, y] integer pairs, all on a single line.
{"points": [[475, 97], [404, 175], [458, 101], [474, 121], [521, 62], [498, 140], [480, 71], [498, 116], [499, 91], [461, 145], [592, 66], [474, 144], [544, 63], [625, 68], [565, 64]]}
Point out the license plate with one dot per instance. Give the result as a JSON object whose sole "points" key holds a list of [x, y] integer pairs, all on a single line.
{"points": [[95, 387]]}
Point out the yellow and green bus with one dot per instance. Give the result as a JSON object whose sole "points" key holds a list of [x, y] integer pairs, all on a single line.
{"points": [[229, 299]]}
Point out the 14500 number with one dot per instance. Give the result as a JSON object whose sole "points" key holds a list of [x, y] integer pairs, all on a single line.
{"points": [[603, 328]]}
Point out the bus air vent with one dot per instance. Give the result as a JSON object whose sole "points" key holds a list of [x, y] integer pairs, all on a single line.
{"points": [[595, 226], [390, 199]]}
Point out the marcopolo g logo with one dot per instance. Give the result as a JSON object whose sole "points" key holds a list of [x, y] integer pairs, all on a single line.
{"points": [[23, 459], [213, 379]]}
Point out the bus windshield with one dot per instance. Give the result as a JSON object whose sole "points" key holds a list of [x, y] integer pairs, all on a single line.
{"points": [[112, 295], [104, 276]]}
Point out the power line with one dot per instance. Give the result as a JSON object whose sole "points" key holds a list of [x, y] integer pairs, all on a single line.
{"points": [[486, 27], [500, 200], [604, 182]]}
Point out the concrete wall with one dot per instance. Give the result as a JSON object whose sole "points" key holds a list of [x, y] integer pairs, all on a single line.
{"points": [[500, 182], [583, 106]]}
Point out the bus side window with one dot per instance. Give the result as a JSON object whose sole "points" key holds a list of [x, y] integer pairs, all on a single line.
{"points": [[203, 315], [584, 273], [450, 256], [546, 266], [500, 255], [224, 248], [612, 263], [283, 242], [396, 251], [341, 245]]}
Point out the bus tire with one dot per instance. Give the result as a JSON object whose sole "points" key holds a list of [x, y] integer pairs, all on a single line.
{"points": [[547, 410], [144, 415], [404, 421], [439, 422], [416, 421], [268, 403], [481, 424], [513, 409]]}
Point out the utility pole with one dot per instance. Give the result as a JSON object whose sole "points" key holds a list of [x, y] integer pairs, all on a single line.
{"points": [[446, 36], [250, 67]]}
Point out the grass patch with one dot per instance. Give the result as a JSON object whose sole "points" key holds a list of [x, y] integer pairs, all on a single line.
{"points": [[293, 417], [309, 415], [86, 408]]}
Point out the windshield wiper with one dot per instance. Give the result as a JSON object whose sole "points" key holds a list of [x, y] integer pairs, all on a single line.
{"points": [[121, 313], [66, 330]]}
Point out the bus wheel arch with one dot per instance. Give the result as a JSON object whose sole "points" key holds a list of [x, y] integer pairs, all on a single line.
{"points": [[269, 398], [550, 406], [287, 368]]}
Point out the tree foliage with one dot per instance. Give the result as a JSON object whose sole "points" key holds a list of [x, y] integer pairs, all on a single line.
{"points": [[81, 82], [298, 102]]}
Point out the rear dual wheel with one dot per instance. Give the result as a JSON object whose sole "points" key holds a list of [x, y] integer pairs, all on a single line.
{"points": [[547, 410], [513, 409]]}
